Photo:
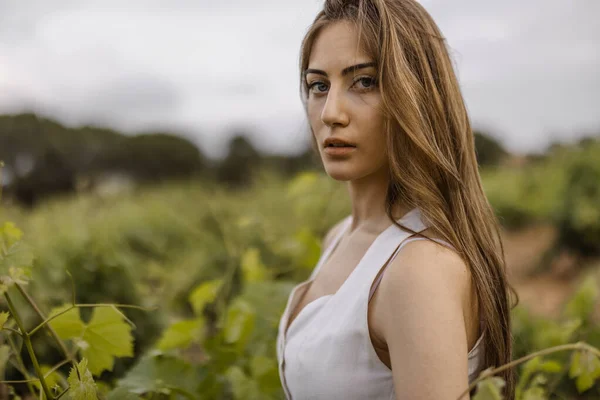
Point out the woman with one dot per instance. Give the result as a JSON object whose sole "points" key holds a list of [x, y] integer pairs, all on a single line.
{"points": [[409, 299]]}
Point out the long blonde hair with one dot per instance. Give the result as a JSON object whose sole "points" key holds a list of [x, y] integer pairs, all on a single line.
{"points": [[431, 148]]}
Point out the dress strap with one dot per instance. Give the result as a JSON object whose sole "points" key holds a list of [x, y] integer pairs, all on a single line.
{"points": [[410, 239]]}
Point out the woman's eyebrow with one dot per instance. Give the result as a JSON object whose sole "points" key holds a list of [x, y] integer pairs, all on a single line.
{"points": [[345, 71]]}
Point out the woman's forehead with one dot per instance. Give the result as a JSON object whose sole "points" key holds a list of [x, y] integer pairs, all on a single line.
{"points": [[336, 47]]}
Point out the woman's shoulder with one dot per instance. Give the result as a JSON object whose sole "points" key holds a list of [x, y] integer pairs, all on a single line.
{"points": [[434, 252]]}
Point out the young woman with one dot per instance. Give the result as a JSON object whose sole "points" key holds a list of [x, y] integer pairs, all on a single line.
{"points": [[409, 299]]}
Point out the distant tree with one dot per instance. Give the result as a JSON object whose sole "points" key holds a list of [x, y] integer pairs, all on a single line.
{"points": [[289, 166], [241, 162], [51, 175], [489, 151], [159, 156], [46, 158], [588, 141]]}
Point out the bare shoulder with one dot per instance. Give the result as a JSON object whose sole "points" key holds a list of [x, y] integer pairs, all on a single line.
{"points": [[423, 295], [428, 267], [425, 257]]}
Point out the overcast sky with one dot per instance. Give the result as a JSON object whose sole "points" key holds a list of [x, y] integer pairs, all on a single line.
{"points": [[530, 70]]}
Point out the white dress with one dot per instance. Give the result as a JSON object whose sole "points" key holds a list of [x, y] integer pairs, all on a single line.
{"points": [[327, 352]]}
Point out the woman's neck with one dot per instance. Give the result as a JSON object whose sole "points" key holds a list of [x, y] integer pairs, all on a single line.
{"points": [[368, 196]]}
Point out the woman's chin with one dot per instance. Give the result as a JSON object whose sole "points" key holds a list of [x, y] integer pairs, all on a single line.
{"points": [[340, 174]]}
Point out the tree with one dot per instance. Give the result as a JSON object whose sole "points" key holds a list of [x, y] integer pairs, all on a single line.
{"points": [[489, 151]]}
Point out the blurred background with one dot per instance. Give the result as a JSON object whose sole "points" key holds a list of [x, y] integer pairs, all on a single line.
{"points": [[159, 153]]}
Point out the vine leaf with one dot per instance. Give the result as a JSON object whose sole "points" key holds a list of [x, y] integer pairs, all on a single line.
{"points": [[252, 267], [530, 368], [53, 379], [81, 382], [15, 258], [243, 386], [204, 294], [490, 388], [105, 337], [585, 366], [536, 390], [181, 334], [158, 374], [241, 318]]}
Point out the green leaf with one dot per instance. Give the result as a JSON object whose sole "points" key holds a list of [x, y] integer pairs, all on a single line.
{"points": [[181, 334], [105, 337], [252, 267], [243, 386], [81, 383], [535, 393], [69, 324], [550, 367], [551, 333], [240, 323], [585, 367], [52, 380], [261, 365], [15, 257], [10, 234], [159, 374], [266, 373], [530, 368], [584, 382], [490, 388], [3, 318], [204, 294], [121, 393]]}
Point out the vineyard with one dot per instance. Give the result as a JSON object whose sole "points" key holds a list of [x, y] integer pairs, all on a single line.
{"points": [[175, 291]]}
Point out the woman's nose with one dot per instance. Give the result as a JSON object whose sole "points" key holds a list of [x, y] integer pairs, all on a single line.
{"points": [[334, 111]]}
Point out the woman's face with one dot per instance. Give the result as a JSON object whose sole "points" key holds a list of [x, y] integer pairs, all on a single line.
{"points": [[344, 103]]}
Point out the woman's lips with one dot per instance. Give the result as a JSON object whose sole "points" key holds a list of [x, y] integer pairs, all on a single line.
{"points": [[339, 151]]}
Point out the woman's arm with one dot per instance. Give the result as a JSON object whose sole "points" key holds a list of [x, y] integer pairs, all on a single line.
{"points": [[424, 296]]}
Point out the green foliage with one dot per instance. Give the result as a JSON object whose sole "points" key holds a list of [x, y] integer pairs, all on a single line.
{"points": [[562, 189], [582, 304], [3, 318], [181, 334], [585, 367], [218, 268], [81, 382], [489, 151], [105, 337], [490, 389], [159, 374], [15, 258], [204, 294]]}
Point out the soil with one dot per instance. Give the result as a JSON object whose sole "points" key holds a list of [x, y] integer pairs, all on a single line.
{"points": [[543, 290]]}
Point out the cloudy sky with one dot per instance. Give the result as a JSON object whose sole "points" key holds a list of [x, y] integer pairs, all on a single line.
{"points": [[530, 70]]}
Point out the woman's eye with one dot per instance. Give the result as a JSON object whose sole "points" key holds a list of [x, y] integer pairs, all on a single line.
{"points": [[320, 86], [366, 82]]}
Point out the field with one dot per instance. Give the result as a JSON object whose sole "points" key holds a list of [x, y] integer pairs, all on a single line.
{"points": [[212, 269]]}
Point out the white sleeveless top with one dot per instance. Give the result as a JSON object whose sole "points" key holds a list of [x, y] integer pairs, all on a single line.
{"points": [[327, 352]]}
